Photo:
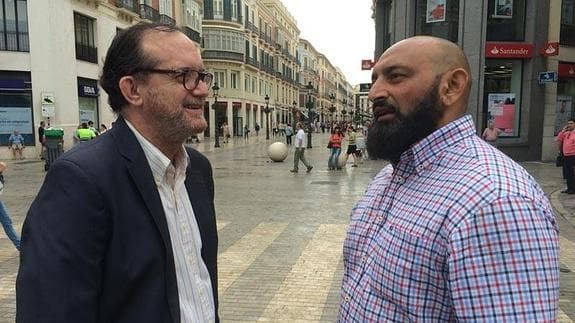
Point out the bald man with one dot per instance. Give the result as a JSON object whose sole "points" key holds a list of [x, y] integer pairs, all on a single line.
{"points": [[452, 229]]}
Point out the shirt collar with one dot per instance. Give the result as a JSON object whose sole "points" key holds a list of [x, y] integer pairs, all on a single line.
{"points": [[159, 163], [429, 148]]}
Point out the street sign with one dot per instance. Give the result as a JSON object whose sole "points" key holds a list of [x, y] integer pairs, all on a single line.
{"points": [[547, 77]]}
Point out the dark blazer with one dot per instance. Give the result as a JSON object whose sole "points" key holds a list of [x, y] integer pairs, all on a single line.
{"points": [[95, 242]]}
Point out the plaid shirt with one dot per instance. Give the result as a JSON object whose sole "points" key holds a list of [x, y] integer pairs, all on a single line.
{"points": [[456, 232]]}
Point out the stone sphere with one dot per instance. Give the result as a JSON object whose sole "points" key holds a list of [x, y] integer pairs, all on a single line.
{"points": [[277, 151]]}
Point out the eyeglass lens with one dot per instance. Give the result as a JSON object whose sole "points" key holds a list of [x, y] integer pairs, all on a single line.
{"points": [[192, 78]]}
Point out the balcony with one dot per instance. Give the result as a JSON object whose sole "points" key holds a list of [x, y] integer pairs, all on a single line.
{"points": [[251, 27], [131, 5], [165, 19], [223, 55], [86, 53], [147, 12], [252, 62], [192, 34]]}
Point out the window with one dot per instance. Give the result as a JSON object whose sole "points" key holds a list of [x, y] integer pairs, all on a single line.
{"points": [[506, 20], [218, 9], [224, 40], [234, 5], [254, 86], [14, 26], [502, 100], [438, 18], [220, 78], [191, 14], [166, 7], [567, 36], [234, 77], [84, 28], [246, 84]]}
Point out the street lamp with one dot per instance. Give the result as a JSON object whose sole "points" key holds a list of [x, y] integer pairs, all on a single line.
{"points": [[267, 110], [294, 113], [332, 107], [309, 88], [216, 90]]}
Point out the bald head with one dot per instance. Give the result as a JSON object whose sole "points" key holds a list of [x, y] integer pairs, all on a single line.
{"points": [[442, 54]]}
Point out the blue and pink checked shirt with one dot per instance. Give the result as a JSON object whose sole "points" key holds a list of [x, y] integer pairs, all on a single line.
{"points": [[456, 231]]}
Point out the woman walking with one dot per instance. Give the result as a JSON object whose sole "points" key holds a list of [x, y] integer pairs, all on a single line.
{"points": [[4, 217], [335, 142]]}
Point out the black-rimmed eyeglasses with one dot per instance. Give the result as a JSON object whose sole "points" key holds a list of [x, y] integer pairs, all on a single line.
{"points": [[190, 78]]}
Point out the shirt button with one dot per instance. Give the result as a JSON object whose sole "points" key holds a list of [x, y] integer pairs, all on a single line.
{"points": [[380, 218], [347, 298], [364, 258]]}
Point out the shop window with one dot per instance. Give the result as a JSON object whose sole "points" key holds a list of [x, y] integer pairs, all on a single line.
{"points": [[506, 20], [565, 104], [567, 36], [88, 101], [84, 28], [16, 113], [502, 99], [14, 26], [439, 18]]}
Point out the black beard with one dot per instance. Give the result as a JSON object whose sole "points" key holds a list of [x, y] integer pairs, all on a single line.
{"points": [[388, 140]]}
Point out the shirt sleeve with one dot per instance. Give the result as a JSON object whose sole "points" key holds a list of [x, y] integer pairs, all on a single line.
{"points": [[503, 264]]}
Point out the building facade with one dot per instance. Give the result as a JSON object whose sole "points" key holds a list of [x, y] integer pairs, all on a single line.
{"points": [[51, 54], [510, 44]]}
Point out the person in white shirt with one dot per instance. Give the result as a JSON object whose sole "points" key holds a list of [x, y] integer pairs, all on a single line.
{"points": [[300, 143]]}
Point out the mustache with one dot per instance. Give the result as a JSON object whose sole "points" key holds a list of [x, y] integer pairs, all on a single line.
{"points": [[383, 103]]}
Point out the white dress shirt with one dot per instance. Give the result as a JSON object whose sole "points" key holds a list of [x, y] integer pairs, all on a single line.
{"points": [[193, 278], [300, 139]]}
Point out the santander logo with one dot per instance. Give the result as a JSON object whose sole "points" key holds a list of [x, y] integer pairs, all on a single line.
{"points": [[494, 51], [550, 50], [571, 71]]}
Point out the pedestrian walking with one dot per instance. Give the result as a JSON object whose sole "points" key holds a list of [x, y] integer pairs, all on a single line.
{"points": [[4, 216], [351, 145], [335, 141], [246, 132], [257, 129], [289, 134], [42, 139], [123, 228], [226, 132], [299, 154], [566, 143], [452, 229]]}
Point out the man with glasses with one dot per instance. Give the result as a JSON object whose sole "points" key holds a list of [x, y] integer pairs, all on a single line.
{"points": [[124, 228]]}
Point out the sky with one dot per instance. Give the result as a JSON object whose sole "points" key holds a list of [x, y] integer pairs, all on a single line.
{"points": [[341, 30]]}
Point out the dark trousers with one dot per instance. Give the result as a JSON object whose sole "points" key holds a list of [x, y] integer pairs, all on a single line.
{"points": [[288, 139], [568, 164]]}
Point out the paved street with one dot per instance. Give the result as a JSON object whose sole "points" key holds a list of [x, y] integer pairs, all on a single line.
{"points": [[281, 234]]}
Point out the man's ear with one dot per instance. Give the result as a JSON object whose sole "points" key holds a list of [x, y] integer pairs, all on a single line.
{"points": [[131, 90], [453, 87]]}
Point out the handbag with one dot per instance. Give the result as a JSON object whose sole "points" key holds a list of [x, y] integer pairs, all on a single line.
{"points": [[559, 160], [329, 145]]}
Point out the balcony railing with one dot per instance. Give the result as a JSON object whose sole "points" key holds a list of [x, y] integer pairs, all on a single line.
{"points": [[131, 5], [165, 19], [251, 27], [87, 53], [220, 54], [147, 12], [192, 34], [252, 62]]}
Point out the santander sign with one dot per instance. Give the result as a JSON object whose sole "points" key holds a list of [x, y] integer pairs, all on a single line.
{"points": [[508, 50]]}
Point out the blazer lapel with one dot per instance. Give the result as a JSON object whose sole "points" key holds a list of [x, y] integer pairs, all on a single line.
{"points": [[141, 174]]}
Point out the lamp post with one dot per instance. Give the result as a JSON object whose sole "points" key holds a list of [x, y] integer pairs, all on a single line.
{"points": [[332, 107], [309, 88], [293, 114], [216, 90], [267, 110]]}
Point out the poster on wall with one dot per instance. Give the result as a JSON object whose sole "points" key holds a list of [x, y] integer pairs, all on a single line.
{"points": [[435, 11], [15, 118], [87, 115], [503, 9], [563, 112], [501, 109]]}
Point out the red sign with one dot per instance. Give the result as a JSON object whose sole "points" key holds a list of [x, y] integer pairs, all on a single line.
{"points": [[566, 70], [366, 64], [550, 49], [508, 50]]}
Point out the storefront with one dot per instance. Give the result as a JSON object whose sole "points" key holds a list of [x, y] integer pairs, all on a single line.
{"points": [[565, 94], [88, 101], [16, 106], [502, 89]]}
